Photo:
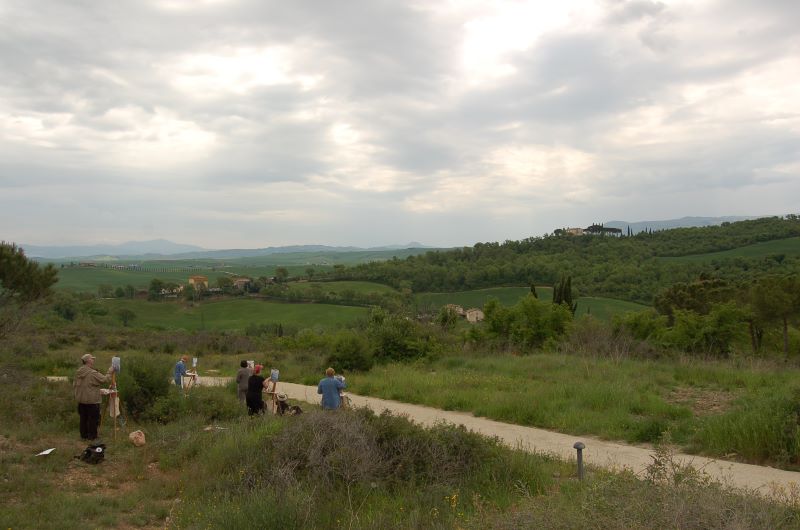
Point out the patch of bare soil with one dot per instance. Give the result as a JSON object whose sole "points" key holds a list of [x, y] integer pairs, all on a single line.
{"points": [[703, 402], [78, 473]]}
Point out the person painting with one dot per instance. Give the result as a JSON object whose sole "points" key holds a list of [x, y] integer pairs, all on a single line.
{"points": [[87, 393], [180, 370], [329, 387], [256, 384], [242, 377]]}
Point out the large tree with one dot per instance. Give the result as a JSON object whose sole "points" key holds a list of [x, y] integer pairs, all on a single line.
{"points": [[281, 274], [777, 299], [22, 282]]}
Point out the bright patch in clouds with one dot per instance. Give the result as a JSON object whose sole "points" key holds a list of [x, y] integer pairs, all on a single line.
{"points": [[145, 139], [504, 27], [236, 71]]}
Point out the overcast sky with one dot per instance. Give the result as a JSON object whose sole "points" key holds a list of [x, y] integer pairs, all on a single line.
{"points": [[226, 123]]}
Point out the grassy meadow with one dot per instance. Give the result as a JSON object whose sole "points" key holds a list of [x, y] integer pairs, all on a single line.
{"points": [[714, 408], [88, 279], [206, 464], [340, 286], [229, 314]]}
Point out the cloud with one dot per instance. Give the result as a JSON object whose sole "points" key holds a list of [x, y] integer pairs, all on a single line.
{"points": [[251, 123]]}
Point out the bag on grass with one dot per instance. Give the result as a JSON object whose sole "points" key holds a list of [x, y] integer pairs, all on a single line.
{"points": [[137, 438], [93, 454]]}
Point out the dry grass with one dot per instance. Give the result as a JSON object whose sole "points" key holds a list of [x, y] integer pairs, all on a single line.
{"points": [[702, 402]]}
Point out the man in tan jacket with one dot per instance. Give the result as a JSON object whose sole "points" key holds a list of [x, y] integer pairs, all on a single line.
{"points": [[87, 393]]}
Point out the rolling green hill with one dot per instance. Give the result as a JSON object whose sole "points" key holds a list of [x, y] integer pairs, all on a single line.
{"points": [[781, 247], [635, 268]]}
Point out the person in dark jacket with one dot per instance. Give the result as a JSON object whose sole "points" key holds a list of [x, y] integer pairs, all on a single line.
{"points": [[256, 385], [242, 377], [180, 370], [87, 393]]}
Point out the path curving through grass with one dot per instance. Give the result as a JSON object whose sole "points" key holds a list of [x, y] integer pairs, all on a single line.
{"points": [[764, 480]]}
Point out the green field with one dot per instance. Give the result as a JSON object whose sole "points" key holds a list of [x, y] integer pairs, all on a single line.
{"points": [[90, 278], [787, 247], [232, 314], [467, 299], [339, 287], [602, 308]]}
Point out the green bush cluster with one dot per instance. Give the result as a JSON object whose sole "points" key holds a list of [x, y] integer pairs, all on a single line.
{"points": [[210, 404], [715, 333], [142, 381], [529, 324], [350, 352], [395, 337]]}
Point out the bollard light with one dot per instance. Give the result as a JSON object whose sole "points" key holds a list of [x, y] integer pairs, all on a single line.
{"points": [[580, 447]]}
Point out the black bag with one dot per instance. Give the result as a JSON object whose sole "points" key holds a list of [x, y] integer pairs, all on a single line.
{"points": [[93, 454]]}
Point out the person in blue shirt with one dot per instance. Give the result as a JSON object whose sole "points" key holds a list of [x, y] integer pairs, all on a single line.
{"points": [[329, 387], [180, 370]]}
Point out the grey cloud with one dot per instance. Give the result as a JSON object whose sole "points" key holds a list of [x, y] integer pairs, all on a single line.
{"points": [[623, 12]]}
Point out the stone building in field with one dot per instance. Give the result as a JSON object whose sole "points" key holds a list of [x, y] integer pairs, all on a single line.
{"points": [[474, 315]]}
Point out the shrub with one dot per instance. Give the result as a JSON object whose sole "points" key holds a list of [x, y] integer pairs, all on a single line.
{"points": [[590, 336], [143, 380], [396, 338], [350, 352], [359, 446], [642, 325], [66, 306], [210, 404], [529, 324]]}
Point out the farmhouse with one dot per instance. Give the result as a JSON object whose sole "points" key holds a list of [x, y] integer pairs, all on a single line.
{"points": [[474, 315], [198, 282], [574, 231]]}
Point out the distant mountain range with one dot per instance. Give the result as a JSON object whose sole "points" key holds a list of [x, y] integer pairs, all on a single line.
{"points": [[683, 222], [154, 246], [161, 248]]}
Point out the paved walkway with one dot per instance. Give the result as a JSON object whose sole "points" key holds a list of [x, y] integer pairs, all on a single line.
{"points": [[597, 452]]}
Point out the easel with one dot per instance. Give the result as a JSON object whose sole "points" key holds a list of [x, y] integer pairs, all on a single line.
{"points": [[112, 398]]}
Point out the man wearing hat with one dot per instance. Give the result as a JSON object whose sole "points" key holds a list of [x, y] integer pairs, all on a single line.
{"points": [[87, 393]]}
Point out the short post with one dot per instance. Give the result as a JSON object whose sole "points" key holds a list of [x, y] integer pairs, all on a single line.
{"points": [[580, 447]]}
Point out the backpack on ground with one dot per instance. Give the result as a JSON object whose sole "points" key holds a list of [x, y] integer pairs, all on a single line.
{"points": [[93, 454]]}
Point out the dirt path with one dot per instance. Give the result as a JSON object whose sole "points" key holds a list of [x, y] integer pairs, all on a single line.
{"points": [[597, 453]]}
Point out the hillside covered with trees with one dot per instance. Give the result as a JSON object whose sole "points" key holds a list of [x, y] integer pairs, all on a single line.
{"points": [[632, 268]]}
